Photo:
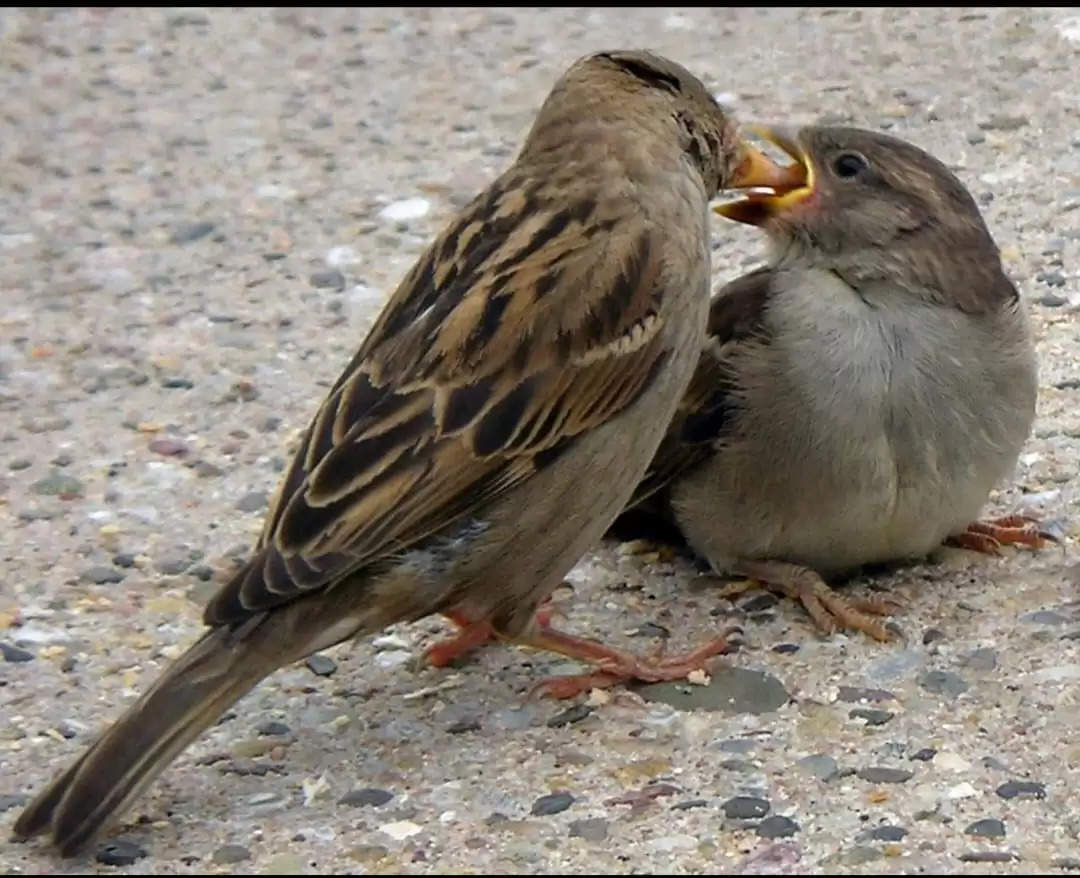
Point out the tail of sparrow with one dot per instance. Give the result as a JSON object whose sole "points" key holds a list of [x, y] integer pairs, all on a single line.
{"points": [[214, 673]]}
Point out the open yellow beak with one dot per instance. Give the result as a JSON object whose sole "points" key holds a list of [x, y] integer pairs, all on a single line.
{"points": [[789, 184]]}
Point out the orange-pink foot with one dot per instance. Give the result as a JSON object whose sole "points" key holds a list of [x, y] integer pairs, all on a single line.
{"points": [[989, 536], [613, 665]]}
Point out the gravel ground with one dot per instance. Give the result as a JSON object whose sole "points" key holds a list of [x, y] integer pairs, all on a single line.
{"points": [[200, 213]]}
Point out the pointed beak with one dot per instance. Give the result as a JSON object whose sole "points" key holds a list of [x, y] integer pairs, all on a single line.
{"points": [[789, 184]]}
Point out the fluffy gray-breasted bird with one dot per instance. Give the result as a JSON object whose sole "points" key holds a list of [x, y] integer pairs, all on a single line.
{"points": [[490, 427], [858, 397]]}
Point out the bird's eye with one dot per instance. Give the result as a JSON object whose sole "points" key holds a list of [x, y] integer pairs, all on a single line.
{"points": [[848, 165]]}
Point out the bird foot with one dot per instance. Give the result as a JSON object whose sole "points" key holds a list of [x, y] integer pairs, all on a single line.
{"points": [[989, 536], [614, 665], [829, 609]]}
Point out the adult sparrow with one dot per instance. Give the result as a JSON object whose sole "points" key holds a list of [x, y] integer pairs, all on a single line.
{"points": [[858, 397], [492, 424]]}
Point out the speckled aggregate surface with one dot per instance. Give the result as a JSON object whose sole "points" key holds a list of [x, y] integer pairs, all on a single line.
{"points": [[200, 213]]}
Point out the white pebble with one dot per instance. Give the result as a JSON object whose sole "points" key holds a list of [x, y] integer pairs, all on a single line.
{"points": [[272, 190], [391, 641], [393, 658], [400, 829], [669, 843], [946, 760], [447, 817], [406, 209], [341, 255], [962, 791], [1030, 458], [314, 788]]}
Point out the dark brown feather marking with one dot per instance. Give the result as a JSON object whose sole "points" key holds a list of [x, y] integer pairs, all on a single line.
{"points": [[647, 73], [464, 404], [498, 427], [351, 462], [546, 283], [544, 235]]}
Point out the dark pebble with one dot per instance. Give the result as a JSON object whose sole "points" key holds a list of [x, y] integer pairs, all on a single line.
{"points": [[273, 727], [987, 828], [167, 447], [123, 559], [1052, 301], [101, 575], [858, 693], [551, 804], [366, 796], [230, 853], [1004, 123], [885, 775], [172, 566], [1051, 278], [942, 683], [206, 470], [989, 857], [1045, 617], [189, 232], [177, 382], [931, 635], [786, 648], [872, 716], [651, 629], [690, 804], [462, 726], [737, 765], [777, 827], [269, 424], [1022, 789], [12, 801], [15, 653], [884, 833], [20, 463], [1069, 864], [745, 808], [759, 603], [62, 460], [202, 572], [119, 853], [332, 279], [573, 714], [924, 755], [591, 829], [320, 665], [56, 484], [253, 501]]}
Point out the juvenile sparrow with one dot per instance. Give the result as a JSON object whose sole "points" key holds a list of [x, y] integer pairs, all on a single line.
{"points": [[858, 398], [490, 427]]}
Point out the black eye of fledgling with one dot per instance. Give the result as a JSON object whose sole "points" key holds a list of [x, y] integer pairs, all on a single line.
{"points": [[848, 165]]}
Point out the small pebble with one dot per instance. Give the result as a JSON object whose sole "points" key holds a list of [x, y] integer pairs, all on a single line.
{"points": [[878, 774], [273, 727], [119, 853], [332, 279], [818, 765], [932, 635], [122, 559], [15, 654], [167, 447], [690, 804], [987, 828], [871, 716], [884, 833], [57, 484], [777, 827], [553, 803], [15, 800], [942, 683], [189, 232], [1022, 789], [101, 575], [591, 829], [1051, 278], [320, 665], [230, 853], [20, 463], [1051, 301], [253, 501], [370, 796], [745, 808], [571, 715], [989, 857], [924, 755], [463, 725], [786, 648], [172, 566]]}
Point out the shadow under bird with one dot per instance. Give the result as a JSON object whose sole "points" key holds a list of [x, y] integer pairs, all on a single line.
{"points": [[491, 426], [858, 397]]}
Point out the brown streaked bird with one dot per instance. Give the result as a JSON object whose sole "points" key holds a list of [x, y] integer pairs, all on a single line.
{"points": [[490, 427], [858, 397]]}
